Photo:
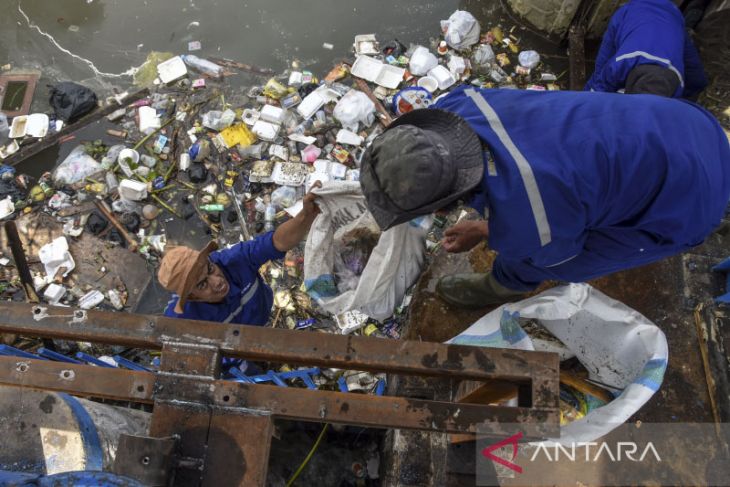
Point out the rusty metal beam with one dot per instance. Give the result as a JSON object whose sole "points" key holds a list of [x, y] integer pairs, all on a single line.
{"points": [[198, 395], [81, 380], [278, 345]]}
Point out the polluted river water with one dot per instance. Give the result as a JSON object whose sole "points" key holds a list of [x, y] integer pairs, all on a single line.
{"points": [[98, 43]]}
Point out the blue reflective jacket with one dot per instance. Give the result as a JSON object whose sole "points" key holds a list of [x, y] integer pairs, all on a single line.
{"points": [[647, 32], [616, 180], [249, 299]]}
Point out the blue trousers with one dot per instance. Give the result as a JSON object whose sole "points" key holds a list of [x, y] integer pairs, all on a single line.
{"points": [[601, 256]]}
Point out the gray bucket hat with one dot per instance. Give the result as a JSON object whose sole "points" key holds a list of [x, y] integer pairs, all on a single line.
{"points": [[425, 160]]}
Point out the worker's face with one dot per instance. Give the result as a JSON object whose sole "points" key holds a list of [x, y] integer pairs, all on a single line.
{"points": [[212, 285]]}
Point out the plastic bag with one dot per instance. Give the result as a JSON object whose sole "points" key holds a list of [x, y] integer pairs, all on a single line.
{"points": [[483, 57], [284, 197], [422, 61], [529, 59], [618, 346], [218, 120], [76, 167], [461, 30], [353, 108], [392, 267], [71, 101]]}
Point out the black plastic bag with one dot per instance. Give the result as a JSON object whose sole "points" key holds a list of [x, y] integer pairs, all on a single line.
{"points": [[70, 101], [130, 221], [96, 223], [197, 173]]}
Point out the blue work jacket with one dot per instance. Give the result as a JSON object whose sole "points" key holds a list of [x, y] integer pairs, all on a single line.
{"points": [[249, 299], [647, 32], [592, 183]]}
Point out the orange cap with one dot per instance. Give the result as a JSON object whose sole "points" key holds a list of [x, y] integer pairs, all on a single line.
{"points": [[180, 269]]}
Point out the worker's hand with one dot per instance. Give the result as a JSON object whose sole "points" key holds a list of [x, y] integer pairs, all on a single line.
{"points": [[465, 235], [310, 209], [293, 231]]}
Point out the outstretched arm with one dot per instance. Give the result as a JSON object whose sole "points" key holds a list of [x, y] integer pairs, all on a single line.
{"points": [[293, 231]]}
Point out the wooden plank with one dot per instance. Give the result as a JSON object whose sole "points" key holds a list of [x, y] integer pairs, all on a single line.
{"points": [[33, 149]]}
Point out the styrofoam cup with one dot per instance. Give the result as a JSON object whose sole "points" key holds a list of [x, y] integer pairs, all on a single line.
{"points": [[428, 83]]}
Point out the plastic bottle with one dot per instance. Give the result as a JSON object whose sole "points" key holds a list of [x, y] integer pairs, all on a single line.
{"points": [[269, 216], [4, 128], [212, 207], [203, 65]]}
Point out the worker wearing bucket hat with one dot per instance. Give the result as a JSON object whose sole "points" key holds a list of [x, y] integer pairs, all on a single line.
{"points": [[225, 285], [572, 185]]}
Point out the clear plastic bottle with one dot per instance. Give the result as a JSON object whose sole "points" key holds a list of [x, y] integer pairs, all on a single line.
{"points": [[4, 128], [203, 65], [269, 216]]}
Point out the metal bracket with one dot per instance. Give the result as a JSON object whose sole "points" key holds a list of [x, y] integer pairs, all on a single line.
{"points": [[149, 460]]}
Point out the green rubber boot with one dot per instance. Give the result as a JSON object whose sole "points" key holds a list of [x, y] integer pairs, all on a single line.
{"points": [[474, 291]]}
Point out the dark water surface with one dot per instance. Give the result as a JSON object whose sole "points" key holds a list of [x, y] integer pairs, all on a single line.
{"points": [[95, 42]]}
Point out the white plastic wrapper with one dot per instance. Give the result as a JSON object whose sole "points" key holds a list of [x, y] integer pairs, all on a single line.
{"points": [[394, 264], [617, 345], [461, 30]]}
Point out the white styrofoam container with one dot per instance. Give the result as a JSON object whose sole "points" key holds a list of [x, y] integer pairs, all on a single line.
{"points": [[272, 114], [442, 76], [172, 69], [132, 190], [265, 130]]}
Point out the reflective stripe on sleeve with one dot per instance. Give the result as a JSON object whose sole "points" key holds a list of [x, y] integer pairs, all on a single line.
{"points": [[528, 177], [651, 57]]}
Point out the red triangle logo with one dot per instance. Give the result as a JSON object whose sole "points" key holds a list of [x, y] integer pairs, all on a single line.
{"points": [[512, 440]]}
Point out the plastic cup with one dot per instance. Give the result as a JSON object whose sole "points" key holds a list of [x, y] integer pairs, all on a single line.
{"points": [[429, 83], [128, 153]]}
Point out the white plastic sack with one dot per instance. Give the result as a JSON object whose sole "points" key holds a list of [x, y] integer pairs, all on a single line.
{"points": [[422, 61], [392, 268], [353, 108], [617, 345], [76, 167], [461, 30]]}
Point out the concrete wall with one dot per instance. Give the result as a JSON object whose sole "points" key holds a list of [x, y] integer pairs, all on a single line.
{"points": [[551, 16]]}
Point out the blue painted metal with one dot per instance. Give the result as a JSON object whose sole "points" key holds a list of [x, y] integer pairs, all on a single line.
{"points": [[303, 374], [93, 360], [66, 479], [270, 376], [16, 352], [380, 387], [58, 357], [89, 436], [239, 376], [128, 364], [724, 268]]}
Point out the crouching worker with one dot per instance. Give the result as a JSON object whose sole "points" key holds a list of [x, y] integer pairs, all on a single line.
{"points": [[225, 285], [572, 185], [646, 50]]}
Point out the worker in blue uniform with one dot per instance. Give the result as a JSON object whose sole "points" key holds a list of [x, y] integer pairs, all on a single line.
{"points": [[572, 185], [225, 285], [646, 50]]}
